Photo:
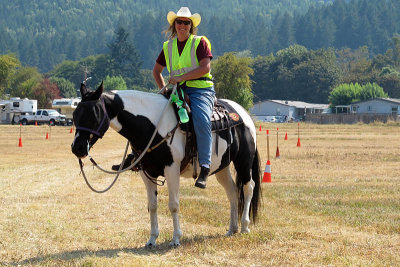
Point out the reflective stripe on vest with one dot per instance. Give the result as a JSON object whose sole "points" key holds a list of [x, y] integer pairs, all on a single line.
{"points": [[192, 44], [193, 60]]}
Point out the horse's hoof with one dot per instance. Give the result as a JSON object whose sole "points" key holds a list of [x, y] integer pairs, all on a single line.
{"points": [[150, 245], [245, 231], [230, 233], [174, 244]]}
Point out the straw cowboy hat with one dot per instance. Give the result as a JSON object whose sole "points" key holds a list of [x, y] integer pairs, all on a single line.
{"points": [[184, 12]]}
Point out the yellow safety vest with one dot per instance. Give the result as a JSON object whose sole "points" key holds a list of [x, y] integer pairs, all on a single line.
{"points": [[178, 65]]}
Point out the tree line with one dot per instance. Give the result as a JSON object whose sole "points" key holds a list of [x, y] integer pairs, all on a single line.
{"points": [[44, 33], [324, 75], [306, 65]]}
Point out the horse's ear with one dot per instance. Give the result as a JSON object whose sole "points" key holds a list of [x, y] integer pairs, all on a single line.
{"points": [[99, 91], [83, 90]]}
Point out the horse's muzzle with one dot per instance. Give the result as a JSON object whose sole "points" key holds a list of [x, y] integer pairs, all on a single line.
{"points": [[79, 150]]}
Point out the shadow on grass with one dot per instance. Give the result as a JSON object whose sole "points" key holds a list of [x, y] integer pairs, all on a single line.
{"points": [[160, 249]]}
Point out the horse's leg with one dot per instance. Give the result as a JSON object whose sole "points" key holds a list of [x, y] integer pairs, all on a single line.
{"points": [[172, 175], [248, 195], [224, 177], [152, 208]]}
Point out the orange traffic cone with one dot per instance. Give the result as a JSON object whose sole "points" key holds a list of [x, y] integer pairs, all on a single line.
{"points": [[277, 145], [267, 173], [260, 129], [35, 123], [47, 135], [70, 131], [286, 136], [20, 142], [298, 135]]}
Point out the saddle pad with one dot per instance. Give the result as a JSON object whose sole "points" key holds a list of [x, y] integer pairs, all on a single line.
{"points": [[224, 116]]}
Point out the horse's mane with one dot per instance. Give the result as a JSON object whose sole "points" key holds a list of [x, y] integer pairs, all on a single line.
{"points": [[142, 96]]}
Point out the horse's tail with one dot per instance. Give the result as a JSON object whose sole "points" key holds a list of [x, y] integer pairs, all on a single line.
{"points": [[256, 177]]}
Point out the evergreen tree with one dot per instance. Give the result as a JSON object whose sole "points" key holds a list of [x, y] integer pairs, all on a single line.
{"points": [[285, 31], [125, 60], [396, 50]]}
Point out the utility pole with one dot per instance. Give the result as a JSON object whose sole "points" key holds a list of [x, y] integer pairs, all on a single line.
{"points": [[86, 78], [86, 71]]}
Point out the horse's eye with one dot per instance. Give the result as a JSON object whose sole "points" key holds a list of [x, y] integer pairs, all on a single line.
{"points": [[91, 136]]}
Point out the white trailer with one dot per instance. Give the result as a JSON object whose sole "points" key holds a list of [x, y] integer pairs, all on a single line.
{"points": [[66, 106], [12, 109]]}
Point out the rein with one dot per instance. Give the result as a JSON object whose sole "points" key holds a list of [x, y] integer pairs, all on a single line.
{"points": [[147, 149], [113, 182]]}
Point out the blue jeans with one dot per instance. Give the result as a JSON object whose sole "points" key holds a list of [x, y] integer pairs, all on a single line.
{"points": [[201, 104]]}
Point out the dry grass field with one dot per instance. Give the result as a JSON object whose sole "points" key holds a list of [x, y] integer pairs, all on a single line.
{"points": [[334, 201]]}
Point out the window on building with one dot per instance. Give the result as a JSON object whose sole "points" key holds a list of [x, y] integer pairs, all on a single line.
{"points": [[395, 110]]}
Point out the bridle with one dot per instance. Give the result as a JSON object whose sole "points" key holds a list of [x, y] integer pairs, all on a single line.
{"points": [[106, 119], [137, 160]]}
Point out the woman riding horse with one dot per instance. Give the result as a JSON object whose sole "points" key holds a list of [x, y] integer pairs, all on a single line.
{"points": [[187, 58], [137, 116]]}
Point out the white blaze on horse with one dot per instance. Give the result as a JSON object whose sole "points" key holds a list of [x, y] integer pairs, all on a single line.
{"points": [[135, 114]]}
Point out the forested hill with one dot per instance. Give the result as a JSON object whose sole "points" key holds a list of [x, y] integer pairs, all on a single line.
{"points": [[43, 33]]}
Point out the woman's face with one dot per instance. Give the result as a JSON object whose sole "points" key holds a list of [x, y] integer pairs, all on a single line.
{"points": [[182, 27]]}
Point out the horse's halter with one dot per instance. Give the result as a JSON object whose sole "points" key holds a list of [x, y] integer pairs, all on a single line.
{"points": [[106, 119], [137, 159]]}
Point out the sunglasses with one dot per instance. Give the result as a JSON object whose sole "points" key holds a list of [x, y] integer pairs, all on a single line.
{"points": [[185, 22]]}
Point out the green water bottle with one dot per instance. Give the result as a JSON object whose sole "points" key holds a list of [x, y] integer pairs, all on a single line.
{"points": [[183, 116]]}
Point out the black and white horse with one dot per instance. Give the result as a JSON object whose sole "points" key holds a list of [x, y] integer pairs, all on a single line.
{"points": [[135, 114]]}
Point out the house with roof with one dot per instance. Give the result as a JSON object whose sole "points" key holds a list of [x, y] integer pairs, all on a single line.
{"points": [[290, 110], [366, 111], [377, 106]]}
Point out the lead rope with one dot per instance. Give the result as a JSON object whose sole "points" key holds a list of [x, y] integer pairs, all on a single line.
{"points": [[127, 145], [113, 182]]}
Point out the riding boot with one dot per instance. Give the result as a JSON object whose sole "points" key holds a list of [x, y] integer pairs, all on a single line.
{"points": [[202, 179], [127, 163]]}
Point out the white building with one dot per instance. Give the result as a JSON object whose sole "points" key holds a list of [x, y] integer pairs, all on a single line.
{"points": [[378, 106], [291, 110]]}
